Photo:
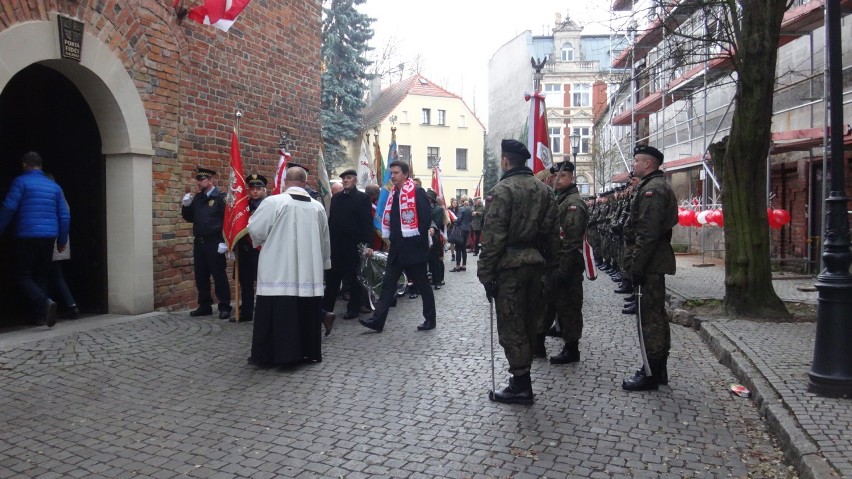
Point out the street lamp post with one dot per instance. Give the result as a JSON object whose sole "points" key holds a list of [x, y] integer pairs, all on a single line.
{"points": [[575, 145], [831, 371]]}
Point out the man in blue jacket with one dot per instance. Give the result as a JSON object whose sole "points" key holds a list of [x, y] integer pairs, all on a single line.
{"points": [[37, 204]]}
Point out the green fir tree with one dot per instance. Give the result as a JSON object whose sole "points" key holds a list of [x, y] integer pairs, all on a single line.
{"points": [[346, 33]]}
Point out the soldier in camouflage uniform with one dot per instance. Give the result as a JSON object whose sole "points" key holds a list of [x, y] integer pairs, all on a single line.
{"points": [[518, 239], [573, 216], [629, 235], [592, 233], [653, 214]]}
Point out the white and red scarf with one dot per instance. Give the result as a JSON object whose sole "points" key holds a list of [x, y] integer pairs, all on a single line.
{"points": [[407, 211]]}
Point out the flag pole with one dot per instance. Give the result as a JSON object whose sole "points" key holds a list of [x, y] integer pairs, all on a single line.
{"points": [[239, 116]]}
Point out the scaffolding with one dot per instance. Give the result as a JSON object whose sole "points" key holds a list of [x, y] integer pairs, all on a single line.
{"points": [[678, 91]]}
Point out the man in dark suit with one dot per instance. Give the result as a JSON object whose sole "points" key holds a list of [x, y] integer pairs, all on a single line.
{"points": [[350, 222], [406, 222]]}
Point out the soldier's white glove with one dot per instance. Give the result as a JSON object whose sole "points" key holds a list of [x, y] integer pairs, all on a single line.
{"points": [[187, 199], [223, 248], [229, 255]]}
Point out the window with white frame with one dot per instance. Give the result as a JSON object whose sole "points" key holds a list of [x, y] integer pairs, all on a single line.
{"points": [[585, 139], [461, 158], [433, 154], [581, 94], [567, 52], [426, 118], [462, 120], [460, 193], [552, 88], [403, 116], [442, 117], [555, 139], [582, 184]]}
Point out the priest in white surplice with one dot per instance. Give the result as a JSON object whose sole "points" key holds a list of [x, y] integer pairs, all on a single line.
{"points": [[293, 230]]}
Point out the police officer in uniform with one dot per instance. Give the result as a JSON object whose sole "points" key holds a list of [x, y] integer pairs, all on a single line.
{"points": [[573, 215], [247, 254], [653, 214], [518, 238], [206, 212]]}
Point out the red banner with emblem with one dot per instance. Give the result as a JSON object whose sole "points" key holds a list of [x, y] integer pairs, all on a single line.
{"points": [[236, 200]]}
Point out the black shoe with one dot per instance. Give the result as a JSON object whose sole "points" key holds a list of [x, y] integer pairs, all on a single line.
{"points": [[426, 326], [570, 354], [617, 277], [629, 309], [73, 312], [412, 296], [201, 312], [225, 313], [436, 287], [243, 319], [624, 288], [328, 322], [372, 323], [350, 315], [540, 350], [50, 313], [519, 391]]}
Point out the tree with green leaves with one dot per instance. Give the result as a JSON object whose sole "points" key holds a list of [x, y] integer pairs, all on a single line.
{"points": [[345, 36]]}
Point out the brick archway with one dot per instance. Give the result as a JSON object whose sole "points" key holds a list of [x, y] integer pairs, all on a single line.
{"points": [[126, 145]]}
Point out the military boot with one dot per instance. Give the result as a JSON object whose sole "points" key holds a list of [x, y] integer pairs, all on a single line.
{"points": [[642, 382], [617, 277], [629, 308], [570, 354], [519, 391], [540, 350], [625, 287]]}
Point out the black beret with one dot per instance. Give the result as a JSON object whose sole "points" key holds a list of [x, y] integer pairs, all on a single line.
{"points": [[291, 165], [562, 166], [348, 172], [515, 146], [256, 180], [202, 173], [432, 195], [648, 150]]}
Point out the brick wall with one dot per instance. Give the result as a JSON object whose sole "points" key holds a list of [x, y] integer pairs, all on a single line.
{"points": [[191, 79]]}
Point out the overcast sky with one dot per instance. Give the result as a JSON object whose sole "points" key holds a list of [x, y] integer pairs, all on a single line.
{"points": [[455, 39]]}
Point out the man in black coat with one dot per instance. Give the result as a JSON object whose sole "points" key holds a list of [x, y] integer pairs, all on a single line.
{"points": [[206, 212], [350, 222], [406, 224], [247, 254]]}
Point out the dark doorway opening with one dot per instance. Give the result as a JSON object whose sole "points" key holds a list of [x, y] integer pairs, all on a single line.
{"points": [[42, 111]]}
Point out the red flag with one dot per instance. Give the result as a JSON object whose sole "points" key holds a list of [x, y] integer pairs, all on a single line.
{"points": [[478, 193], [236, 201], [278, 181], [219, 13], [538, 137], [589, 260]]}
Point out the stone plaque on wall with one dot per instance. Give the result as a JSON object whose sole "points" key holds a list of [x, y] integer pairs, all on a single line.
{"points": [[70, 38]]}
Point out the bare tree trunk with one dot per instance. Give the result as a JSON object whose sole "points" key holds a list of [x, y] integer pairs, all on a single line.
{"points": [[748, 275]]}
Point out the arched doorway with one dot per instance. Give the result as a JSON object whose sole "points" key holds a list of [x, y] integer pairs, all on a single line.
{"points": [[42, 111], [104, 142]]}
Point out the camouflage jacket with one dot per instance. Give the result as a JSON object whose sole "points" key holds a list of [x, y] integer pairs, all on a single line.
{"points": [[573, 216], [653, 214], [477, 214], [519, 227]]}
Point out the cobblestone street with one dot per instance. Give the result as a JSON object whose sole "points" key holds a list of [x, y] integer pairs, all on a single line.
{"points": [[167, 395]]}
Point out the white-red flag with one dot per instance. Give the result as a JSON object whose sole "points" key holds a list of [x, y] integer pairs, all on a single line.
{"points": [[236, 201], [538, 137], [589, 260], [219, 13], [366, 175], [478, 192], [281, 171]]}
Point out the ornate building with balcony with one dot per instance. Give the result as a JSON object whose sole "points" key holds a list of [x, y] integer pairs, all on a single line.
{"points": [[575, 78]]}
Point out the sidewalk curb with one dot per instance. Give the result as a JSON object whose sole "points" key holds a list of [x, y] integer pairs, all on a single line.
{"points": [[798, 447]]}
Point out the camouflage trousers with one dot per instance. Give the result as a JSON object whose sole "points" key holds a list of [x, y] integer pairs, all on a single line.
{"points": [[569, 305], [518, 305], [655, 323]]}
